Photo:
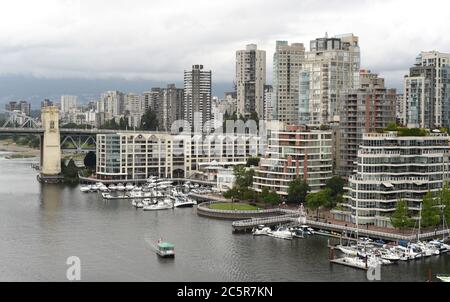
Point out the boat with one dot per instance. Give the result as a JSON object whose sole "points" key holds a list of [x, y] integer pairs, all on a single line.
{"points": [[388, 255], [360, 263], [159, 206], [184, 202], [120, 187], [260, 230], [103, 188], [129, 187], [308, 230], [347, 250], [443, 277], [165, 249], [85, 189], [139, 204], [281, 233], [147, 201], [298, 232], [443, 248]]}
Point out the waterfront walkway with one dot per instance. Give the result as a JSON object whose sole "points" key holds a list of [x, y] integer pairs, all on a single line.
{"points": [[335, 228]]}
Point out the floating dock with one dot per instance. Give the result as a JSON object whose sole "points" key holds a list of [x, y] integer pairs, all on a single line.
{"points": [[342, 261]]}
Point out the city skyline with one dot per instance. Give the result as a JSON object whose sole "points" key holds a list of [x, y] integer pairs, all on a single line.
{"points": [[58, 47]]}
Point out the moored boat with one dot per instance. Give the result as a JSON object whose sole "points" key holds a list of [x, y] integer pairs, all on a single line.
{"points": [[120, 187], [282, 233]]}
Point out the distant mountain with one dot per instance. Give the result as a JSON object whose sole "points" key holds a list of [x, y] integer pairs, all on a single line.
{"points": [[35, 89]]}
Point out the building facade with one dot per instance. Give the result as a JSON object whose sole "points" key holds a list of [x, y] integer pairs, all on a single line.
{"points": [[250, 81], [367, 109], [68, 102], [287, 62], [111, 104], [390, 168], [331, 66], [136, 156], [269, 102], [296, 152], [197, 96], [427, 92], [22, 106]]}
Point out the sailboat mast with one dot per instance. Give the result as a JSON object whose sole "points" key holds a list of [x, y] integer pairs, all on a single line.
{"points": [[420, 222]]}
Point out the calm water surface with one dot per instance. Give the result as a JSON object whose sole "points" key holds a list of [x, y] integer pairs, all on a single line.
{"points": [[42, 225]]}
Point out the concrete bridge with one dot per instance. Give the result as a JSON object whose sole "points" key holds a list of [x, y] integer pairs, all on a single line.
{"points": [[52, 138]]}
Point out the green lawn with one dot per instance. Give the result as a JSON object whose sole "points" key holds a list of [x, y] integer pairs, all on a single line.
{"points": [[232, 206]]}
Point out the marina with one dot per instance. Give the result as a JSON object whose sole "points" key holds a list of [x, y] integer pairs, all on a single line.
{"points": [[113, 239]]}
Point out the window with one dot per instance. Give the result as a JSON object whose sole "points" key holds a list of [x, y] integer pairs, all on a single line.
{"points": [[52, 124]]}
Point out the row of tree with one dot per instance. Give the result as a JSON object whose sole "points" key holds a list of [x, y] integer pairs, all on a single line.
{"points": [[298, 190], [435, 209]]}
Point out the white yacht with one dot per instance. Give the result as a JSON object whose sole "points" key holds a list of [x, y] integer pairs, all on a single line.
{"points": [[129, 187], [389, 255], [184, 202], [282, 233], [112, 187], [260, 230], [103, 188], [443, 278], [159, 206], [120, 187], [348, 250], [358, 262], [85, 189], [439, 244]]}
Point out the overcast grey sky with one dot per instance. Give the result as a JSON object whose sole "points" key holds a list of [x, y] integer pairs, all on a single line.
{"points": [[156, 40]]}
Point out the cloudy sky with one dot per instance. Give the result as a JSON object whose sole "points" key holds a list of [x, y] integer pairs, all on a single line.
{"points": [[154, 41]]}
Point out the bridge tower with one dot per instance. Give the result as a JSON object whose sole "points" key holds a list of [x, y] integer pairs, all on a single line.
{"points": [[50, 145]]}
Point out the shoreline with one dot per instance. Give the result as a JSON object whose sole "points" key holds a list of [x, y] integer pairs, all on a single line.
{"points": [[12, 150]]}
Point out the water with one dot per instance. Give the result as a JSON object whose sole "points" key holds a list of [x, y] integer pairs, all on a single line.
{"points": [[42, 225]]}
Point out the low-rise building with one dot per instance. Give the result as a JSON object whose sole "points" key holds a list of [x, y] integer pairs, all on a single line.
{"points": [[134, 156]]}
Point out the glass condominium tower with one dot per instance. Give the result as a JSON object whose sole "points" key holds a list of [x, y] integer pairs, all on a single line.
{"points": [[331, 66]]}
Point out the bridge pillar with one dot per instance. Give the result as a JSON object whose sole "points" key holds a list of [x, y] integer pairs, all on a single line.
{"points": [[50, 145]]}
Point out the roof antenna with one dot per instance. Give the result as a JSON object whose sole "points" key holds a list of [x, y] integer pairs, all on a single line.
{"points": [[326, 35]]}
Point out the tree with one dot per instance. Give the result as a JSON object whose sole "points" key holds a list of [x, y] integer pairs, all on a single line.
{"points": [[269, 197], [400, 218], [243, 176], [70, 172], [90, 160], [336, 185], [444, 200], [231, 193], [149, 121], [252, 161], [391, 127], [430, 213], [313, 202], [297, 191]]}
